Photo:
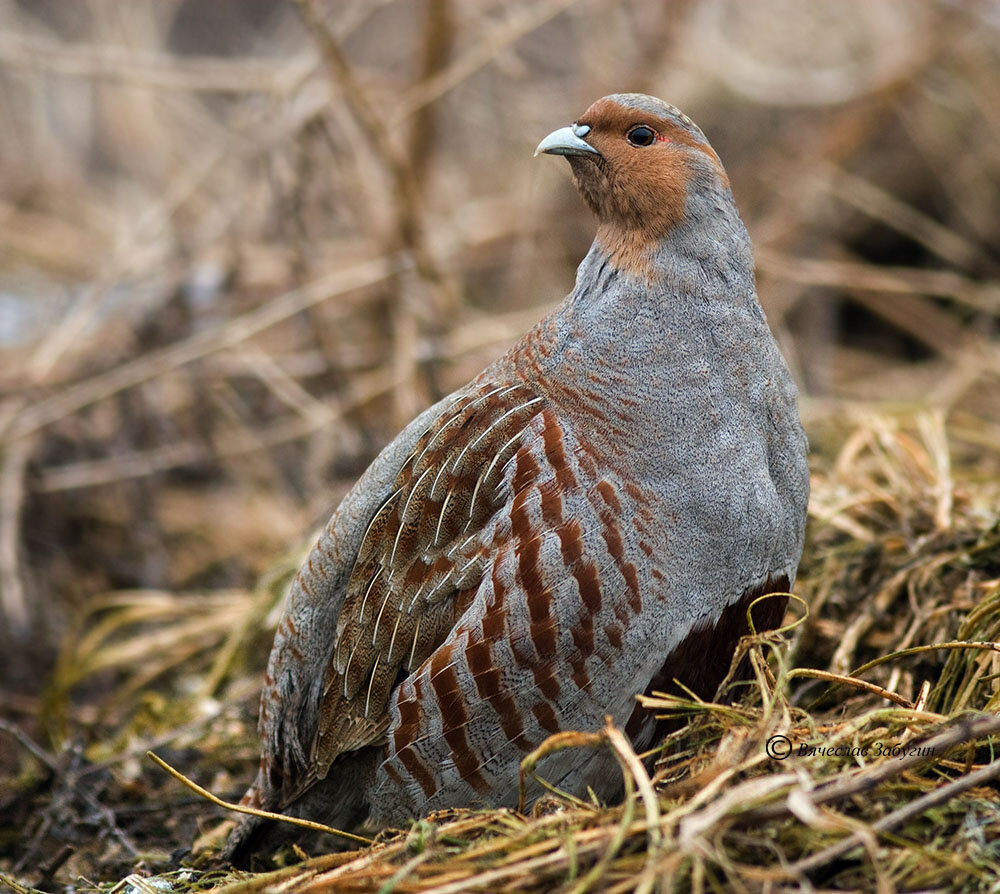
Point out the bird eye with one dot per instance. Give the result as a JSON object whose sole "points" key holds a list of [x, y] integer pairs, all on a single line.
{"points": [[640, 135]]}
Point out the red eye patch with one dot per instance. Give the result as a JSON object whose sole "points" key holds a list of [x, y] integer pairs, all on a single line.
{"points": [[644, 135]]}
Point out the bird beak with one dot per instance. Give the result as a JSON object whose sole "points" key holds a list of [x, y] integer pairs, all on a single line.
{"points": [[567, 141]]}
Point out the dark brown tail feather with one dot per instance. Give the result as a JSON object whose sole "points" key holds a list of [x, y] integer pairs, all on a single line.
{"points": [[701, 661], [338, 801]]}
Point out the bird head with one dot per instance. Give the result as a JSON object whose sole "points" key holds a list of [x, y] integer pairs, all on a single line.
{"points": [[637, 161]]}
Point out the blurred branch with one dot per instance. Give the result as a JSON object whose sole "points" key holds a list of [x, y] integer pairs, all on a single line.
{"points": [[881, 205], [315, 416], [161, 70], [137, 250], [528, 17], [13, 603], [411, 227], [409, 220], [364, 388], [921, 318], [438, 37], [200, 344], [877, 278]]}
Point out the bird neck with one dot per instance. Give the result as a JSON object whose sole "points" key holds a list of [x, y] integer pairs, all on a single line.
{"points": [[698, 289], [706, 250], [623, 347]]}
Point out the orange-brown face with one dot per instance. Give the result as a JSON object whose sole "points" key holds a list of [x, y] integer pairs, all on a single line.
{"points": [[641, 178], [635, 164]]}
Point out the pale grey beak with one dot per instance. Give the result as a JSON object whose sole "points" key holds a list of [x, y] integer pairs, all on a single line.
{"points": [[567, 141]]}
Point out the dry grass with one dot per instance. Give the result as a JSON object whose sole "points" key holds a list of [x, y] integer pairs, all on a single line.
{"points": [[242, 242], [892, 668]]}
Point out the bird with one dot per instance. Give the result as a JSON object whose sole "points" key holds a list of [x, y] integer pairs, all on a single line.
{"points": [[591, 517]]}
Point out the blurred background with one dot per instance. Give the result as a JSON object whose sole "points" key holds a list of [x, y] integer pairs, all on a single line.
{"points": [[243, 242]]}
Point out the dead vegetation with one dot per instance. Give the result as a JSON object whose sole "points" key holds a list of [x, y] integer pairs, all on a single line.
{"points": [[242, 242]]}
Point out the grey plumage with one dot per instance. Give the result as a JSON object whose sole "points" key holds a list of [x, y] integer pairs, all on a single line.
{"points": [[551, 536]]}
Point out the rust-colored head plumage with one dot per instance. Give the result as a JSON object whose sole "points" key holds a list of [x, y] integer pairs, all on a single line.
{"points": [[636, 160]]}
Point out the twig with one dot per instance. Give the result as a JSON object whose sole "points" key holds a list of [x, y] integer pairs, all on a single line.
{"points": [[65, 779], [16, 886], [29, 744], [251, 811], [898, 817], [555, 742], [128, 257], [631, 764], [987, 646], [967, 730], [850, 681], [635, 777]]}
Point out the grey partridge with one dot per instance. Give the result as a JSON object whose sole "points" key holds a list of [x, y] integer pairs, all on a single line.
{"points": [[588, 518]]}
